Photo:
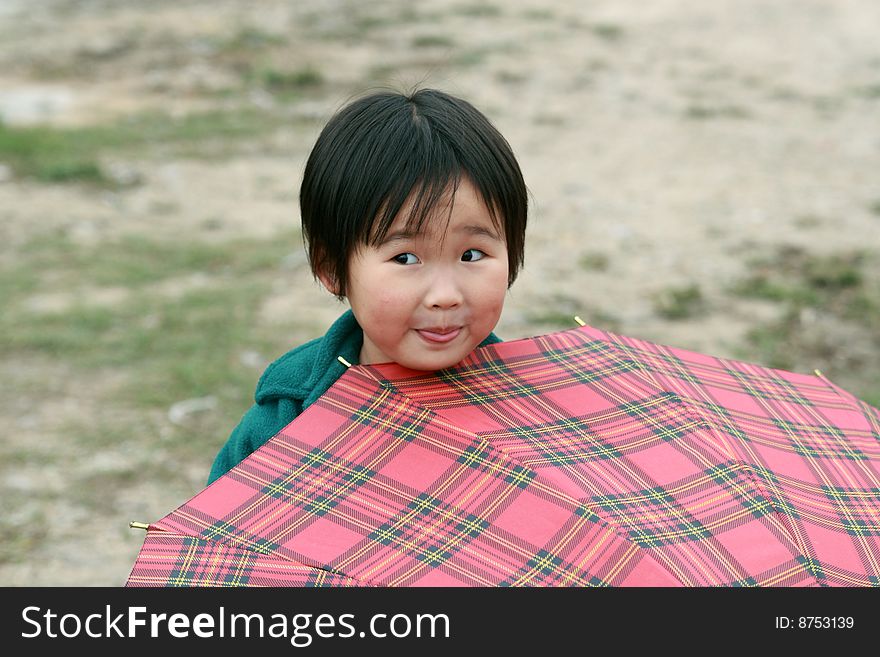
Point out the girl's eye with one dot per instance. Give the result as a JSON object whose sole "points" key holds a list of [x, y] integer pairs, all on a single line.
{"points": [[471, 255], [405, 259]]}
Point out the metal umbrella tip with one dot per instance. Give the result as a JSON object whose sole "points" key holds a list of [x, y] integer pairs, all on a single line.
{"points": [[138, 525], [579, 321]]}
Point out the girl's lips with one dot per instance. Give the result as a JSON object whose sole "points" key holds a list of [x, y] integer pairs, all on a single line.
{"points": [[434, 336]]}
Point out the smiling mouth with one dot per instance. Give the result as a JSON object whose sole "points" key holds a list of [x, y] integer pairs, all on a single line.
{"points": [[439, 335]]}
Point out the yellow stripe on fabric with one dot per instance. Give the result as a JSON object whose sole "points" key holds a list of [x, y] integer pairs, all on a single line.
{"points": [[783, 576], [491, 468], [454, 453], [420, 417], [675, 512], [532, 575], [587, 454], [186, 563], [537, 365], [487, 535], [604, 535], [320, 483], [623, 562], [612, 416], [759, 400], [845, 577], [442, 517], [215, 564], [240, 565], [869, 480]]}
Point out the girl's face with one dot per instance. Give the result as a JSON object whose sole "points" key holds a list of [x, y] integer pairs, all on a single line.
{"points": [[426, 300]]}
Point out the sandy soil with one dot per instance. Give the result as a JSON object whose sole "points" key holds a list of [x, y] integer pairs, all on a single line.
{"points": [[673, 139]]}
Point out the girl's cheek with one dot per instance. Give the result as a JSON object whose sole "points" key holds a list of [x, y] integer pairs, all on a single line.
{"points": [[389, 298]]}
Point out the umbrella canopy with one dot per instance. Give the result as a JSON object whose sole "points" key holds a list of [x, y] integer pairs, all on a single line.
{"points": [[578, 458]]}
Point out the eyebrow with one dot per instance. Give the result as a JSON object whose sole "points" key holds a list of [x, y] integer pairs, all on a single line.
{"points": [[469, 229], [473, 229], [398, 236]]}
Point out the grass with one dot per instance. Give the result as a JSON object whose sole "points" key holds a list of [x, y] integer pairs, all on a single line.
{"points": [[802, 280], [355, 24], [174, 346], [433, 41], [870, 91], [808, 221], [709, 112], [829, 314], [679, 302], [175, 349], [478, 10], [191, 350], [827, 105], [133, 261], [247, 39], [601, 319], [20, 537], [50, 154], [511, 77], [280, 81], [554, 319], [471, 57], [62, 155], [559, 314], [594, 261], [607, 31], [540, 14]]}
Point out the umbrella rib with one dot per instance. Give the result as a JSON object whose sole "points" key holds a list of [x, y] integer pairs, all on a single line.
{"points": [[387, 423], [819, 471], [793, 529], [491, 468], [508, 383], [622, 350], [191, 554], [789, 529]]}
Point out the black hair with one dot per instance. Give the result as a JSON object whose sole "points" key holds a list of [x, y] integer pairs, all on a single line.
{"points": [[387, 147]]}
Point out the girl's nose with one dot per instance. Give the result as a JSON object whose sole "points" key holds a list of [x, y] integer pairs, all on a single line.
{"points": [[443, 292]]}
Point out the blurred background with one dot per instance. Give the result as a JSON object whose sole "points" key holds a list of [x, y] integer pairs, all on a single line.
{"points": [[703, 174]]}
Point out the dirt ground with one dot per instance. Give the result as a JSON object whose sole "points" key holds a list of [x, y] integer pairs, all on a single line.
{"points": [[671, 148]]}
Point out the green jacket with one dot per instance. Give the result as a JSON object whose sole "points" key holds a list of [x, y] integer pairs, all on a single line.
{"points": [[291, 384]]}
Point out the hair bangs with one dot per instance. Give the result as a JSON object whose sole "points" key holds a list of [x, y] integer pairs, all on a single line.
{"points": [[420, 196]]}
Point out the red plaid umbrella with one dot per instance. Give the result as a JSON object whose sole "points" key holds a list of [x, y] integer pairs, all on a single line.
{"points": [[578, 458]]}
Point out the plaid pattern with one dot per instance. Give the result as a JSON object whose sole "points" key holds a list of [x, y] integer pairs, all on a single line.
{"points": [[196, 562], [579, 458]]}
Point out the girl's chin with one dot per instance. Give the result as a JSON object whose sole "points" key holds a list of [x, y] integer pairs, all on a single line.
{"points": [[433, 361]]}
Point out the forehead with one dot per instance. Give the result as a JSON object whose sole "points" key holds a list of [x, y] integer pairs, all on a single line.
{"points": [[459, 210]]}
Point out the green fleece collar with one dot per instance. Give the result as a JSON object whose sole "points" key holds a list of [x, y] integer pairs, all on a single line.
{"points": [[313, 366], [305, 373]]}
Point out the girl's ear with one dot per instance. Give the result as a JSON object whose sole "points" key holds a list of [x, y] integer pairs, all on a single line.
{"points": [[328, 281]]}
